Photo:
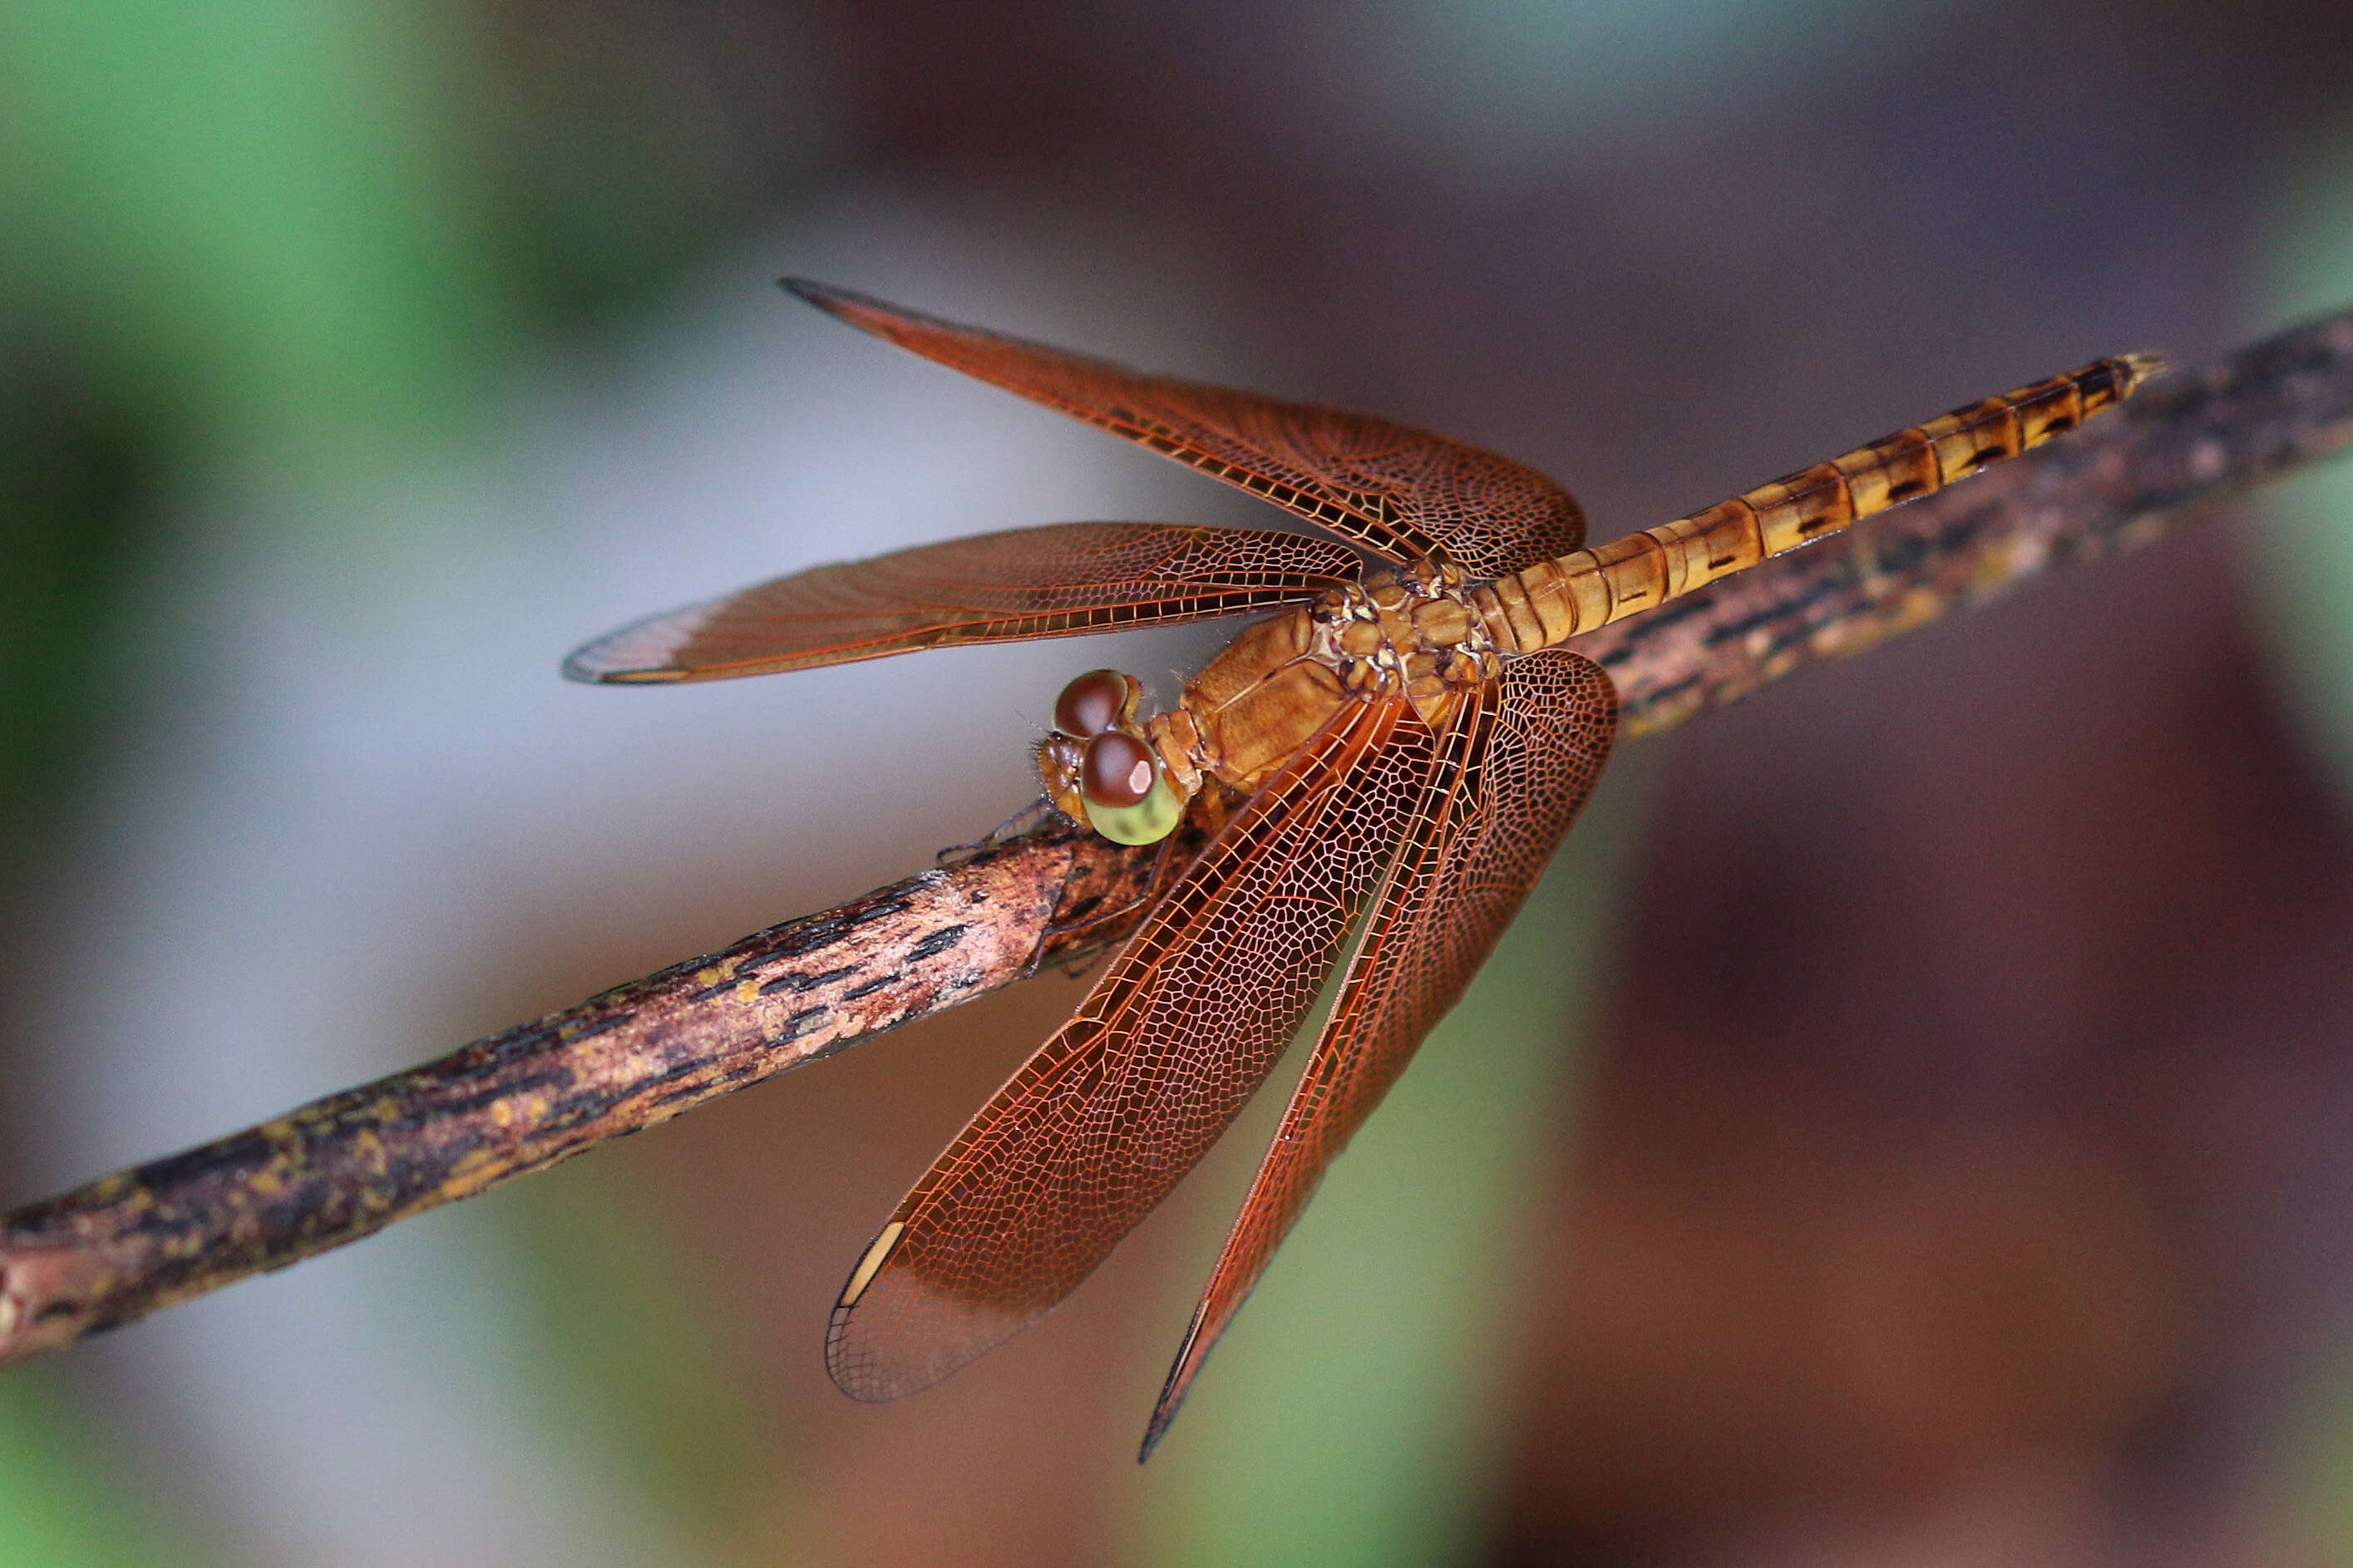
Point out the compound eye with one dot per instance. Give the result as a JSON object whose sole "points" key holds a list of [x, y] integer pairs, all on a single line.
{"points": [[1117, 770], [1091, 704]]}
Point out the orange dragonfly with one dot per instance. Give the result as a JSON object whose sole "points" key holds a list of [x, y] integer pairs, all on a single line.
{"points": [[1381, 769]]}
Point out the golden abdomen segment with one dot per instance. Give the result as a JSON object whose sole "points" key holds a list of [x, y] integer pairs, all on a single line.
{"points": [[1555, 600]]}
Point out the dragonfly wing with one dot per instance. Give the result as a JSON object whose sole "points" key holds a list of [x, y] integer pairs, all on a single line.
{"points": [[1066, 580], [1506, 779], [1401, 492], [1113, 1111]]}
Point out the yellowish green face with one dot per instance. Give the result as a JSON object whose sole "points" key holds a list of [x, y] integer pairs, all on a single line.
{"points": [[1148, 821]]}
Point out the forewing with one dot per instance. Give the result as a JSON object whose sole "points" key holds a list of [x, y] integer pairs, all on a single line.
{"points": [[1124, 1099], [1065, 579], [1401, 492], [1508, 778]]}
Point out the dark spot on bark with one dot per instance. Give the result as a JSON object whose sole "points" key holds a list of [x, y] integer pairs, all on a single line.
{"points": [[939, 941], [1682, 610], [590, 1031], [1663, 694], [1775, 614], [809, 934], [798, 983]]}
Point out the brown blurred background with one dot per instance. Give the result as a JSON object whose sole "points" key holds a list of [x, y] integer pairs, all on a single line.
{"points": [[1994, 1206]]}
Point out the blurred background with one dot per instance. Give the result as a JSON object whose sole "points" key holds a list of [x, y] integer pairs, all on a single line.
{"points": [[356, 362]]}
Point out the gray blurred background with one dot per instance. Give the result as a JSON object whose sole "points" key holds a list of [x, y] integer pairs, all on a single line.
{"points": [[357, 361]]}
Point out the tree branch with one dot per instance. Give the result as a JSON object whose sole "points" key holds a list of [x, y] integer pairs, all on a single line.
{"points": [[354, 1163]]}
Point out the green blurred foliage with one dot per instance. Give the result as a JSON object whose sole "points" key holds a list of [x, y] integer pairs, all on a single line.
{"points": [[2305, 576], [303, 246], [643, 1366], [73, 477], [255, 214], [61, 1504]]}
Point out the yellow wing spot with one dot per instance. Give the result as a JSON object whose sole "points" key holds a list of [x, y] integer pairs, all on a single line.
{"points": [[871, 1264]]}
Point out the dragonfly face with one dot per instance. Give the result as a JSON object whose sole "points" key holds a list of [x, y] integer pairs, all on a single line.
{"points": [[1380, 769], [1099, 767]]}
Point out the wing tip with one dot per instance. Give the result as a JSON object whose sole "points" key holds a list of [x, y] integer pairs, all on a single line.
{"points": [[1181, 1383], [892, 1334], [643, 653], [589, 672], [821, 295], [863, 311]]}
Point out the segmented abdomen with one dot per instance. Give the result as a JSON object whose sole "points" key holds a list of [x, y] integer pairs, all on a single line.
{"points": [[1553, 601]]}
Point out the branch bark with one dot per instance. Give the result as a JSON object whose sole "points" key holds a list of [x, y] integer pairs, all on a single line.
{"points": [[342, 1167]]}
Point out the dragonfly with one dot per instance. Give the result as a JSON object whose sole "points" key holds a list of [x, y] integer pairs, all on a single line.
{"points": [[1376, 771]]}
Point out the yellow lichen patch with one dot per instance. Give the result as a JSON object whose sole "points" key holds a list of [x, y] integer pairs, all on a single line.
{"points": [[267, 1181], [458, 1187], [475, 1169], [710, 977], [1919, 606], [2006, 561], [747, 992], [502, 1113]]}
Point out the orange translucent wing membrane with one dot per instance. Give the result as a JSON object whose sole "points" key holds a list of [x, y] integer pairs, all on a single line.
{"points": [[1507, 779], [1066, 580], [1124, 1099], [1401, 492]]}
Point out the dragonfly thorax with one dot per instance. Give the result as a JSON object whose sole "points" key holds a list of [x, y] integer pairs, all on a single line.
{"points": [[1409, 633]]}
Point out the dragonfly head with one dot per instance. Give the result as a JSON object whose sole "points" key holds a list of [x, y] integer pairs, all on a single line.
{"points": [[1099, 767]]}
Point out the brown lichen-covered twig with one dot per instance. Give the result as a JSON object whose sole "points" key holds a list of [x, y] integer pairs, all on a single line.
{"points": [[342, 1167]]}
